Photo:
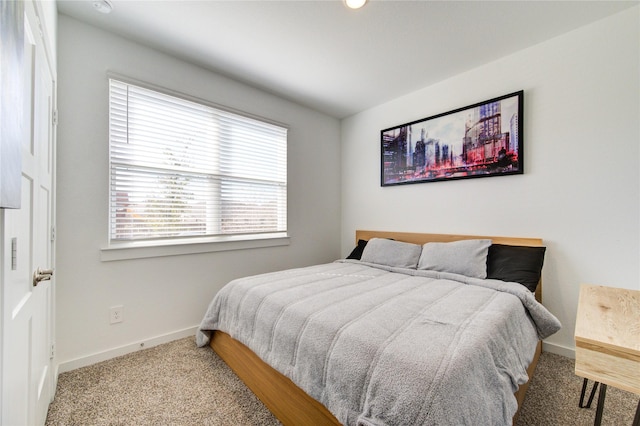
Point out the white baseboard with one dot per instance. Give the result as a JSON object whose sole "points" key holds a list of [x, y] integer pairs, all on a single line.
{"points": [[123, 350], [559, 350]]}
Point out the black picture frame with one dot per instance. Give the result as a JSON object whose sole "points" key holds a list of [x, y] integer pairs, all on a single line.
{"points": [[469, 142]]}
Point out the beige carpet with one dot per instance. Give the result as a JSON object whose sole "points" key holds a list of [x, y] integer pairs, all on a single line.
{"points": [[179, 384]]}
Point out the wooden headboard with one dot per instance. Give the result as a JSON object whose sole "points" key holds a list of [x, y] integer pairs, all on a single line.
{"points": [[420, 238]]}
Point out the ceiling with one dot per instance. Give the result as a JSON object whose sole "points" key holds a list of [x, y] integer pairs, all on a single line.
{"points": [[337, 60]]}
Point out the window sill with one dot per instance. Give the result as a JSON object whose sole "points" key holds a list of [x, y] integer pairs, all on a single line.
{"points": [[141, 250]]}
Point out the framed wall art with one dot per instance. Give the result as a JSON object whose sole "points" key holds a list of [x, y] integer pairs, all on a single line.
{"points": [[479, 140]]}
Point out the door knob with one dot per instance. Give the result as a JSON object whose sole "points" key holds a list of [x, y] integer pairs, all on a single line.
{"points": [[41, 275]]}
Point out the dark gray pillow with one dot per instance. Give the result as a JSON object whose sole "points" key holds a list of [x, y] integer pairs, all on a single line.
{"points": [[465, 257], [356, 253], [518, 264], [391, 253]]}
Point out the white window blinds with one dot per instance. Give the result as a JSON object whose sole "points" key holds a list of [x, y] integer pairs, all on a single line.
{"points": [[182, 169]]}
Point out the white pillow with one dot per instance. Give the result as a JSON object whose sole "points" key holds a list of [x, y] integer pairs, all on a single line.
{"points": [[465, 257], [391, 253]]}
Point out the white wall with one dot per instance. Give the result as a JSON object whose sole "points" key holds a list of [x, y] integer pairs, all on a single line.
{"points": [[580, 191], [167, 294]]}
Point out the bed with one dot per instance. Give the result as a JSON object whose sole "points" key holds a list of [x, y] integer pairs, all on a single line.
{"points": [[445, 345]]}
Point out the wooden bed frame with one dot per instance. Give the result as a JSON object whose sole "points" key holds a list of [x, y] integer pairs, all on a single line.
{"points": [[290, 404]]}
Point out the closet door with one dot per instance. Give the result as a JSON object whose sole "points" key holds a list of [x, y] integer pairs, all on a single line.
{"points": [[27, 282]]}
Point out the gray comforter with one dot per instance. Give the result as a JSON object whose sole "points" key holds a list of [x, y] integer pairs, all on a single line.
{"points": [[379, 345]]}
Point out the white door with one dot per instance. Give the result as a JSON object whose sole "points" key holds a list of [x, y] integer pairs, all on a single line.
{"points": [[27, 335]]}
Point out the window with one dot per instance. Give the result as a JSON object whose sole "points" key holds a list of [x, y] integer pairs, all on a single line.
{"points": [[181, 169]]}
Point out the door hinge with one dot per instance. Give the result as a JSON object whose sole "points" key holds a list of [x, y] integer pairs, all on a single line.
{"points": [[54, 117], [53, 351], [53, 233], [14, 253]]}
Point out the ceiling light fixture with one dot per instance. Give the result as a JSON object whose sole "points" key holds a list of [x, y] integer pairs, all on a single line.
{"points": [[355, 4], [103, 6]]}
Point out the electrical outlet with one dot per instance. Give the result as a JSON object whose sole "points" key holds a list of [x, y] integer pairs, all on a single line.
{"points": [[116, 314]]}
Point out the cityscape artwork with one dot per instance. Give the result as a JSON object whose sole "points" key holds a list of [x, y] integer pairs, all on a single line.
{"points": [[480, 140]]}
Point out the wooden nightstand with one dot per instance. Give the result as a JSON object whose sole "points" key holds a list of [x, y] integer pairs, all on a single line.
{"points": [[608, 341]]}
